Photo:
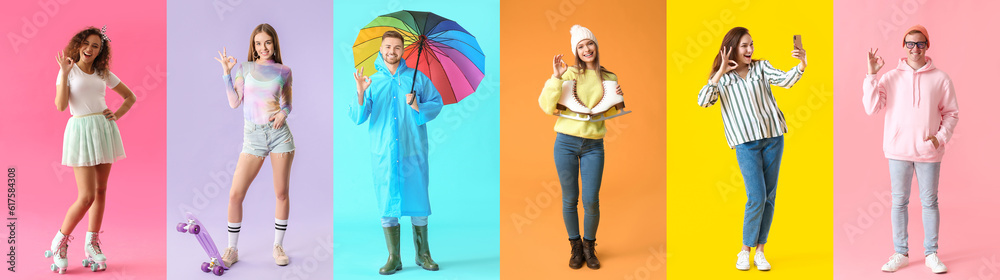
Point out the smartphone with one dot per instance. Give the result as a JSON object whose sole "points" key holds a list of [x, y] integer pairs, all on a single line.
{"points": [[797, 39]]}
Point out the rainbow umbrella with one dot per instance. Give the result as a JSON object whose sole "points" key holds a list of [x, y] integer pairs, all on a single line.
{"points": [[438, 47]]}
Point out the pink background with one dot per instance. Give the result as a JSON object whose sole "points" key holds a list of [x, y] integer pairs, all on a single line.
{"points": [[133, 236], [961, 39]]}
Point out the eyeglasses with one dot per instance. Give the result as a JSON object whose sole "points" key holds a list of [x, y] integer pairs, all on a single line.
{"points": [[911, 44]]}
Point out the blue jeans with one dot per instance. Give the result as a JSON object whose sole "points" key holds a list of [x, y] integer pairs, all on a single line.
{"points": [[901, 175], [759, 162], [584, 157]]}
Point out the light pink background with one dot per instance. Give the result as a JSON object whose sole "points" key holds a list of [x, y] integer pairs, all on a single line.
{"points": [[32, 131], [962, 40]]}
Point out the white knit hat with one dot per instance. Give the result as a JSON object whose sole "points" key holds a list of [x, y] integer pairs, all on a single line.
{"points": [[578, 33]]}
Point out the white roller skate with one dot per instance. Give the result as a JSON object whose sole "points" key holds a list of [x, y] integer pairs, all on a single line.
{"points": [[569, 101], [95, 259], [58, 252]]}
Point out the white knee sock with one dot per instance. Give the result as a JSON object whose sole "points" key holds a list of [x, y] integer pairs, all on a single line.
{"points": [[279, 231], [234, 234]]}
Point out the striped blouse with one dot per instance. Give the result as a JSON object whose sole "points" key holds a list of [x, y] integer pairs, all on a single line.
{"points": [[749, 111]]}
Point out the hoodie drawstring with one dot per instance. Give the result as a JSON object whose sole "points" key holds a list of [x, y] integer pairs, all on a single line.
{"points": [[916, 89]]}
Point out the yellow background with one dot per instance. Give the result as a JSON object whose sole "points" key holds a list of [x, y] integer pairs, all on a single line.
{"points": [[705, 193]]}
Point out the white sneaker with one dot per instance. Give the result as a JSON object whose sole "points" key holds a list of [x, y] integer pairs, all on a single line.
{"points": [[230, 256], [932, 261], [761, 262], [896, 261], [743, 260]]}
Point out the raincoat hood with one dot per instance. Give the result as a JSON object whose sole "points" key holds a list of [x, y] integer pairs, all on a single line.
{"points": [[381, 68]]}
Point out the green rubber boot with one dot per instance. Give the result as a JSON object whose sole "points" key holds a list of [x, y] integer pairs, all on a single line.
{"points": [[423, 250], [392, 264]]}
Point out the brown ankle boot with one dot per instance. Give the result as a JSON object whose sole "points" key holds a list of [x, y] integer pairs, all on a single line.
{"points": [[590, 254], [576, 254]]}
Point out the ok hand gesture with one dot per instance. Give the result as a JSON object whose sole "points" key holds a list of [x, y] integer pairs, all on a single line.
{"points": [[875, 62], [227, 61], [558, 66]]}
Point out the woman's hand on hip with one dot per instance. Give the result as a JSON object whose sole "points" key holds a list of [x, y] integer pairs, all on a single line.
{"points": [[278, 119]]}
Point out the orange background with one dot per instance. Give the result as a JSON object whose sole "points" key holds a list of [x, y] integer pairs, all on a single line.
{"points": [[632, 234]]}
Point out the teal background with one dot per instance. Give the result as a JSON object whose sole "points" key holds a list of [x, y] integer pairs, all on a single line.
{"points": [[464, 157]]}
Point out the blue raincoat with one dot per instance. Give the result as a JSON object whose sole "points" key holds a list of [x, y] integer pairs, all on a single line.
{"points": [[398, 138]]}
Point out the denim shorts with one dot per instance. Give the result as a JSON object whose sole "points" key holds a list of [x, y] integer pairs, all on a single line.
{"points": [[261, 139]]}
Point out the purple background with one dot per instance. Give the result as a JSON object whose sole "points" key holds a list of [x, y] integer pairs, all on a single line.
{"points": [[204, 137]]}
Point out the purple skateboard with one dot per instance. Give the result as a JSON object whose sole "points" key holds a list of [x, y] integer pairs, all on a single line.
{"points": [[193, 226]]}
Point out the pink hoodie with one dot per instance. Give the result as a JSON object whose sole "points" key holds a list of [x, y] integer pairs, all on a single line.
{"points": [[917, 104]]}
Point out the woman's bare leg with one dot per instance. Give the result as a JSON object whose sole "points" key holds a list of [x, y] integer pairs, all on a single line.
{"points": [[246, 170], [281, 166], [96, 214], [86, 186]]}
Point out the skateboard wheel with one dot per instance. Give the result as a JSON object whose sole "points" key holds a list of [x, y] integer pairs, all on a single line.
{"points": [[180, 227], [206, 267], [195, 229], [217, 270]]}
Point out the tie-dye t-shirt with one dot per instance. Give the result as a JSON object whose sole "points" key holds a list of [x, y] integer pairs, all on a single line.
{"points": [[263, 89]]}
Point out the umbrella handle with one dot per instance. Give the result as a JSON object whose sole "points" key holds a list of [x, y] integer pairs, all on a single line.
{"points": [[420, 50], [414, 98]]}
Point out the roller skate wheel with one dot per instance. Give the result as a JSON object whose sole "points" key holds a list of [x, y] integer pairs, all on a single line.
{"points": [[93, 268], [48, 254], [104, 266], [52, 267], [86, 263]]}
